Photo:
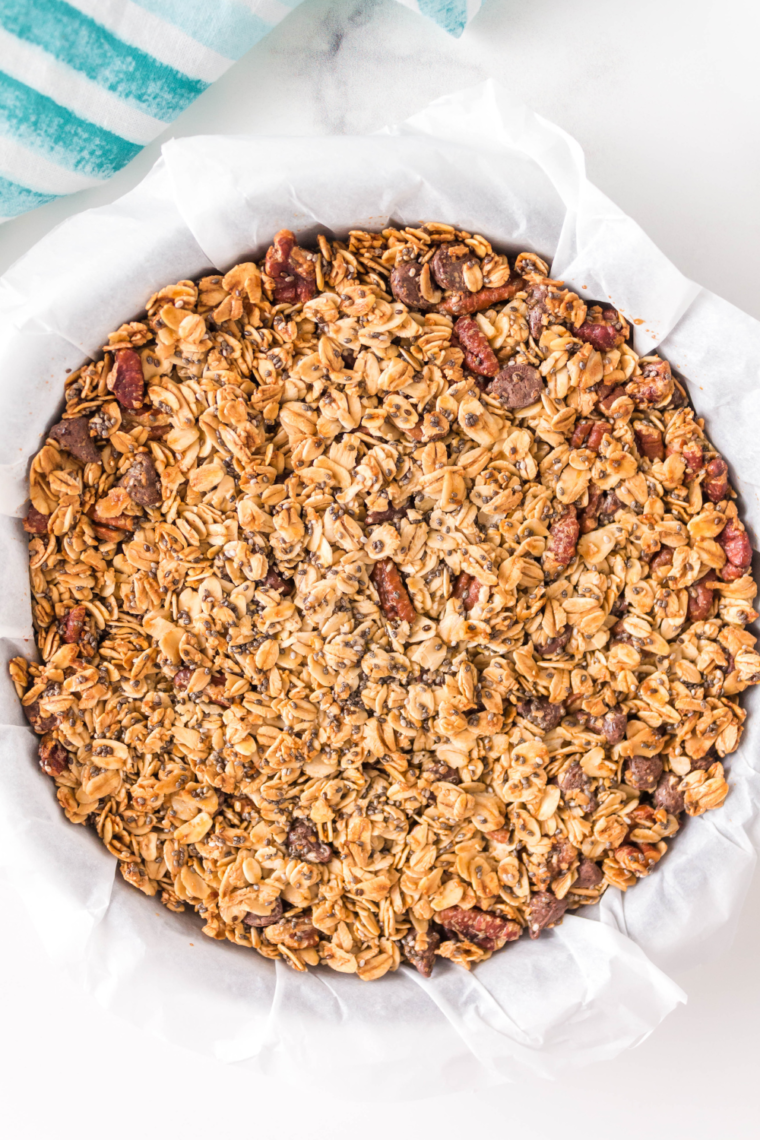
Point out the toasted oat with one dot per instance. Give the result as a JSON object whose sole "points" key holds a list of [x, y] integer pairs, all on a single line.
{"points": [[371, 630]]}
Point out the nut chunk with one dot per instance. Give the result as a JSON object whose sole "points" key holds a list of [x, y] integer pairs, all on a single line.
{"points": [[74, 436], [53, 756], [260, 920], [562, 542], [394, 599], [643, 772], [655, 385], [733, 538], [296, 933], [419, 949], [668, 794], [292, 269], [715, 485], [35, 522], [488, 931], [701, 596], [467, 588], [590, 875], [542, 713], [304, 843], [478, 355], [517, 386], [126, 379], [649, 440], [545, 910], [142, 482], [73, 624], [603, 328], [411, 285], [455, 267]]}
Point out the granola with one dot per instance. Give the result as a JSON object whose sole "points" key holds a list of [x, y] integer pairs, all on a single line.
{"points": [[388, 604]]}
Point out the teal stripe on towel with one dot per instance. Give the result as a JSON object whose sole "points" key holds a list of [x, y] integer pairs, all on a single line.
{"points": [[451, 15], [76, 40], [43, 126], [15, 199], [228, 28]]}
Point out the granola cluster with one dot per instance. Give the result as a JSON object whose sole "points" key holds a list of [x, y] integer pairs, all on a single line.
{"points": [[388, 603]]}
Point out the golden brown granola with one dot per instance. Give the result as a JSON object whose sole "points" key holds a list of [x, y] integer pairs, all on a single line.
{"points": [[388, 603]]}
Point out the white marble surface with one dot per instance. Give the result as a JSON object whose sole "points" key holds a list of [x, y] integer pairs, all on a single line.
{"points": [[663, 96]]}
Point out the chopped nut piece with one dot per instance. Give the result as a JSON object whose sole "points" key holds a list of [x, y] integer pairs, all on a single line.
{"points": [[488, 931], [126, 380], [142, 482], [419, 949], [74, 436], [517, 386]]}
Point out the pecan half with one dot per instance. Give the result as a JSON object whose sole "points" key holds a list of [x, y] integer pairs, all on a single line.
{"points": [[488, 931], [467, 588], [292, 269], [517, 386], [394, 599], [715, 483], [735, 542], [304, 843], [53, 756], [545, 910], [459, 303], [478, 355], [142, 482], [419, 949], [74, 436], [126, 379]]}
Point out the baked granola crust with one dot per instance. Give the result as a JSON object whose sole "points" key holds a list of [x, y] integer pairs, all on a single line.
{"points": [[388, 604]]}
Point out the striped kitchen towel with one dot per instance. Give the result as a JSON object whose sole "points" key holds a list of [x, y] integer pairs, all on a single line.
{"points": [[85, 84]]}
